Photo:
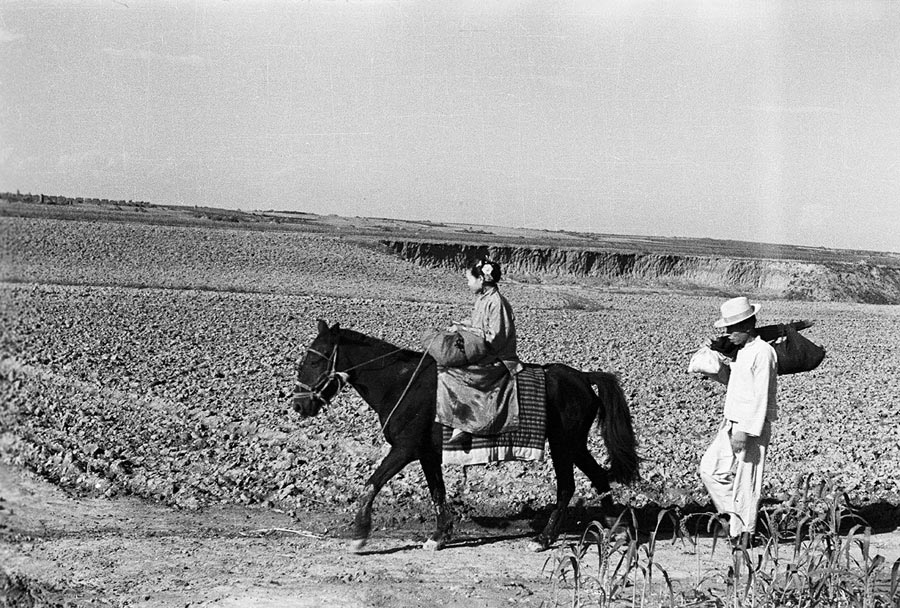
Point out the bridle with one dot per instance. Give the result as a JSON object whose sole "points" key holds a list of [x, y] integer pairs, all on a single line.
{"points": [[318, 388]]}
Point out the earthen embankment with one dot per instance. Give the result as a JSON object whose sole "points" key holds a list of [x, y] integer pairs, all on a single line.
{"points": [[788, 279]]}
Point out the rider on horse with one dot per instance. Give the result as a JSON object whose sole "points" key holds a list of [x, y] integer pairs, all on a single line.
{"points": [[473, 397]]}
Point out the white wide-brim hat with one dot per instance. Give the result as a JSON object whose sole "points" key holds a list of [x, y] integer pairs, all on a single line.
{"points": [[736, 310]]}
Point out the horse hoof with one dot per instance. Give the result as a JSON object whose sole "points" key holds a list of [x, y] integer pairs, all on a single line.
{"points": [[434, 545], [536, 546], [357, 545]]}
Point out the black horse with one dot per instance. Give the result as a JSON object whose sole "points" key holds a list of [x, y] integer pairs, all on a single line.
{"points": [[400, 385]]}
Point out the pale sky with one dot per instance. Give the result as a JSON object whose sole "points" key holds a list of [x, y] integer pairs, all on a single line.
{"points": [[762, 120]]}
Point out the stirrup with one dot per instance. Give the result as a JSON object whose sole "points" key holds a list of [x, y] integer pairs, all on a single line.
{"points": [[458, 436]]}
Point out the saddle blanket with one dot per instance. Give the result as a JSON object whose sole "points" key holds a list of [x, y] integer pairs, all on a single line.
{"points": [[525, 443]]}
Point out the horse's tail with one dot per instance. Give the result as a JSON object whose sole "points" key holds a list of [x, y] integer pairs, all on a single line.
{"points": [[617, 430]]}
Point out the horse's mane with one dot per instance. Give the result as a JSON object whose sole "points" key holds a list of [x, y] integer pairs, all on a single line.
{"points": [[349, 336]]}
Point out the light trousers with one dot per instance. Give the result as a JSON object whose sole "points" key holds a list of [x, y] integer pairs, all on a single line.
{"points": [[734, 481]]}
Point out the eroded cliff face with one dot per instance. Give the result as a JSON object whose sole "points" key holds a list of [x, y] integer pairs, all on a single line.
{"points": [[831, 281]]}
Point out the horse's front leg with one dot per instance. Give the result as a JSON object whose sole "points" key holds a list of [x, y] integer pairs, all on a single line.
{"points": [[391, 465], [431, 466]]}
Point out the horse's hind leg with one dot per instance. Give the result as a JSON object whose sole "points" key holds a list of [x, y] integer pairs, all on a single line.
{"points": [[443, 531], [391, 465], [584, 460], [565, 489]]}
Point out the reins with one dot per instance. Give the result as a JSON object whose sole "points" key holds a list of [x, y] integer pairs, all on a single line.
{"points": [[405, 390]]}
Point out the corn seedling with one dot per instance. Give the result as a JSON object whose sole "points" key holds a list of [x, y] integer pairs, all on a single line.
{"points": [[814, 550], [624, 570]]}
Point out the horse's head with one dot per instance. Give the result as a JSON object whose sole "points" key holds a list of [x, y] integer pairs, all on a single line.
{"points": [[318, 380]]}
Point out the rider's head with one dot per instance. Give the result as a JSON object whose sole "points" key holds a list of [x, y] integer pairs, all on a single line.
{"points": [[483, 273], [487, 270]]}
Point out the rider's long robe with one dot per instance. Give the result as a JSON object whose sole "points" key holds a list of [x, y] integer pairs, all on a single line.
{"points": [[481, 398]]}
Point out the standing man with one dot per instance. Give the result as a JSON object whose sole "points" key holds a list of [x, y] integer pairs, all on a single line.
{"points": [[732, 467]]}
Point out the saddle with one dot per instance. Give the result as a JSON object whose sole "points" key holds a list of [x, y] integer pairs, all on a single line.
{"points": [[518, 433]]}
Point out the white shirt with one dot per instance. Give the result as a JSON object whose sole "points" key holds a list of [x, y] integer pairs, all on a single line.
{"points": [[750, 397]]}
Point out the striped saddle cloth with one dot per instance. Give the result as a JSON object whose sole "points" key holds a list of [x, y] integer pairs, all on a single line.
{"points": [[525, 443]]}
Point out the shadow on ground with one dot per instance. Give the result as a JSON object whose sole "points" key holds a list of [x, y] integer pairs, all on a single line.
{"points": [[694, 518]]}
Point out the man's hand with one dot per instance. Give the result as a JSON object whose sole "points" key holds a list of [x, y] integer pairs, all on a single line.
{"points": [[738, 441]]}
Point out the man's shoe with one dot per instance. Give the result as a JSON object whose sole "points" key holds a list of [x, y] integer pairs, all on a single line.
{"points": [[746, 540], [741, 541]]}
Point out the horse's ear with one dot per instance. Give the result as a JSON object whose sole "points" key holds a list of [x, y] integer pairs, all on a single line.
{"points": [[336, 327], [323, 326]]}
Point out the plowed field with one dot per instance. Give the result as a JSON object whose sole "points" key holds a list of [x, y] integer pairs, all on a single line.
{"points": [[155, 363]]}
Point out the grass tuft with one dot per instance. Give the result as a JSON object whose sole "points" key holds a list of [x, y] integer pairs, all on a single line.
{"points": [[813, 550]]}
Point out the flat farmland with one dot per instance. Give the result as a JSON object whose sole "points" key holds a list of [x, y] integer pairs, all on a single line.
{"points": [[156, 362]]}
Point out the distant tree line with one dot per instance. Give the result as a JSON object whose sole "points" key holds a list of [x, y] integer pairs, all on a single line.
{"points": [[50, 199]]}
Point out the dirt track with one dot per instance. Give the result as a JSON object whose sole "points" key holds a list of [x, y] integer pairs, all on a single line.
{"points": [[129, 552]]}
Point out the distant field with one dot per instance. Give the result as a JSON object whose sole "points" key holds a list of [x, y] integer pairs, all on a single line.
{"points": [[348, 227], [157, 359]]}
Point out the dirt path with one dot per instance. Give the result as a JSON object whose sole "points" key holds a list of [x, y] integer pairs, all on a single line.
{"points": [[59, 550]]}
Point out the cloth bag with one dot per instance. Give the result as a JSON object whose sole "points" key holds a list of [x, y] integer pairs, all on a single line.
{"points": [[796, 353], [706, 361], [454, 348]]}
